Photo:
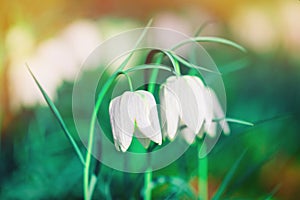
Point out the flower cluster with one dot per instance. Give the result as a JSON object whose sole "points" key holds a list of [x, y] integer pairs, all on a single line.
{"points": [[185, 101]]}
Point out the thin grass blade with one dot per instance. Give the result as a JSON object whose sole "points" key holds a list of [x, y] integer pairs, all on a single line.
{"points": [[147, 66], [238, 121], [190, 65], [232, 120], [58, 117], [220, 41], [234, 66], [211, 39], [228, 177]]}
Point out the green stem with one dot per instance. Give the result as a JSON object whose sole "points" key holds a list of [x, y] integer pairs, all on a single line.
{"points": [[177, 68], [147, 66], [129, 81], [147, 184], [154, 74], [202, 174], [105, 88], [87, 194], [151, 88], [148, 173]]}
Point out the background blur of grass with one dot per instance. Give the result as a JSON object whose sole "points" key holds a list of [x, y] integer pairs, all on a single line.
{"points": [[36, 160]]}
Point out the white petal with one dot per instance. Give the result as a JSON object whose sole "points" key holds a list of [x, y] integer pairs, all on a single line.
{"points": [[218, 112], [152, 130], [170, 110], [141, 137], [188, 135], [113, 107], [209, 128], [198, 88], [188, 103], [163, 117], [123, 123], [137, 110], [145, 142], [225, 126]]}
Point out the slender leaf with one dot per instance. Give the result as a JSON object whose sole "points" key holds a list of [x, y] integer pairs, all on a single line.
{"points": [[190, 65], [228, 177], [148, 66], [58, 117], [238, 121], [234, 66], [174, 61], [211, 39]]}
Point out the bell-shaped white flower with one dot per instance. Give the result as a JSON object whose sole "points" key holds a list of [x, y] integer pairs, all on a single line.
{"points": [[134, 113], [214, 116], [183, 102], [186, 101]]}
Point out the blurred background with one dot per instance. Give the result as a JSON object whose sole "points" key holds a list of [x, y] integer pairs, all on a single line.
{"points": [[55, 37]]}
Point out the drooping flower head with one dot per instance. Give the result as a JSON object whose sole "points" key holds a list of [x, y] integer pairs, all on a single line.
{"points": [[134, 113], [183, 102], [187, 101], [215, 116]]}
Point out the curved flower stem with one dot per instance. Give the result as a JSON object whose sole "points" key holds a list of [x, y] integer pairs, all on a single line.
{"points": [[177, 67], [87, 193], [154, 74], [148, 66], [151, 88], [129, 80], [202, 174]]}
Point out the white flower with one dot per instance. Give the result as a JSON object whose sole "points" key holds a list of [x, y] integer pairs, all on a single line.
{"points": [[215, 112], [134, 113], [182, 101], [186, 101]]}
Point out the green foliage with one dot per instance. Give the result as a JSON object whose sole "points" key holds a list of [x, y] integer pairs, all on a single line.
{"points": [[40, 163]]}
